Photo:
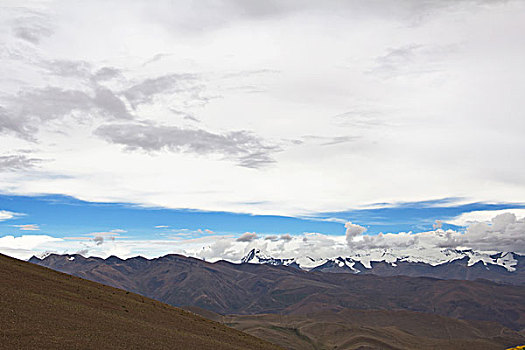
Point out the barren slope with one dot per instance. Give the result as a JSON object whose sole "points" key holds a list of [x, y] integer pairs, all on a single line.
{"points": [[372, 329], [41, 308]]}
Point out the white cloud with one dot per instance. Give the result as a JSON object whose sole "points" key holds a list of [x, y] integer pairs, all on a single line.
{"points": [[504, 233], [428, 122], [6, 215], [486, 216], [28, 227], [353, 231], [17, 162], [25, 246]]}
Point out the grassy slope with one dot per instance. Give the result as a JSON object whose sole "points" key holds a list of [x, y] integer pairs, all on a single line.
{"points": [[41, 308]]}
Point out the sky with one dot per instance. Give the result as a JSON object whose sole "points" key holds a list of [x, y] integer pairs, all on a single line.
{"points": [[126, 126]]}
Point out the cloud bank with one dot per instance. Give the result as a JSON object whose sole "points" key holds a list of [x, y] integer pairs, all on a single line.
{"points": [[504, 233]]}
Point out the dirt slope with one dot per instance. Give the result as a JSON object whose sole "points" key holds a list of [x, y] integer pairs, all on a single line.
{"points": [[45, 309], [371, 329]]}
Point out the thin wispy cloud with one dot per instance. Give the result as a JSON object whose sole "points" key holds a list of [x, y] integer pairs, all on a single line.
{"points": [[28, 227], [249, 150], [17, 162], [7, 215]]}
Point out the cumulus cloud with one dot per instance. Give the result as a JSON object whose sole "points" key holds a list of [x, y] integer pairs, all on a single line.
{"points": [[486, 216], [221, 248], [503, 233], [244, 147], [353, 231], [247, 237]]}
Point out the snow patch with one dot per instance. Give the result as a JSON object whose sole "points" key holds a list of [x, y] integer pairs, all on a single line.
{"points": [[392, 257]]}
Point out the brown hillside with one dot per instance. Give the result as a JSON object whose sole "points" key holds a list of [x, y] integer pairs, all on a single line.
{"points": [[41, 308], [377, 329]]}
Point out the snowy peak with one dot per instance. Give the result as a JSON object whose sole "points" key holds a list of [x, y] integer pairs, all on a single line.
{"points": [[443, 263], [338, 264], [256, 257], [251, 257]]}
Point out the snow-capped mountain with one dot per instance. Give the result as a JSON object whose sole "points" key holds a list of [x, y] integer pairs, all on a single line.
{"points": [[506, 267], [256, 257]]}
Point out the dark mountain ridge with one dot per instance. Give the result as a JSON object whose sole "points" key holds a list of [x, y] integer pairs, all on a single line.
{"points": [[228, 288]]}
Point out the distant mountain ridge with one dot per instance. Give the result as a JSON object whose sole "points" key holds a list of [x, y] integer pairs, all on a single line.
{"points": [[246, 288], [502, 267]]}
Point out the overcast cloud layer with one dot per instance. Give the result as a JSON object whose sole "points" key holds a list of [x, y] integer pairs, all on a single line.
{"points": [[281, 107]]}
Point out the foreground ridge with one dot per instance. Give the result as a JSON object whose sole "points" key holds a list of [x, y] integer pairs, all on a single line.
{"points": [[41, 308]]}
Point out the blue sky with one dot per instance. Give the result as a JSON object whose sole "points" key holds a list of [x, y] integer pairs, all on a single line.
{"points": [[62, 216]]}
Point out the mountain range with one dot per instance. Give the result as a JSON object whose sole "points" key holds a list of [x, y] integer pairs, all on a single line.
{"points": [[227, 288], [501, 267]]}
